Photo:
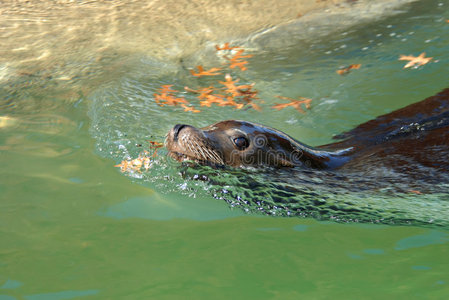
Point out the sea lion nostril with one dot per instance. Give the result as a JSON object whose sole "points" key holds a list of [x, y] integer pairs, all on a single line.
{"points": [[177, 129]]}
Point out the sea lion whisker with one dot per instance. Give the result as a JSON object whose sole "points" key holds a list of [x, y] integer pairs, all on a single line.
{"points": [[192, 150], [187, 145], [201, 150], [210, 154], [198, 151], [215, 155], [205, 153]]}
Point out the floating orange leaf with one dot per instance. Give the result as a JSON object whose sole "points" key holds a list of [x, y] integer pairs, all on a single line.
{"points": [[170, 100], [230, 102], [206, 97], [204, 92], [220, 100], [236, 60], [415, 61], [236, 90], [166, 97], [156, 144], [239, 55], [225, 47], [213, 98], [344, 71], [255, 106], [143, 161], [239, 64], [247, 92], [135, 165], [202, 72], [190, 108], [297, 104], [229, 81], [232, 94], [123, 166], [166, 89], [231, 88]]}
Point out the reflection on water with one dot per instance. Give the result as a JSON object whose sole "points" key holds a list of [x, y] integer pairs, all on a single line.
{"points": [[430, 238], [169, 207]]}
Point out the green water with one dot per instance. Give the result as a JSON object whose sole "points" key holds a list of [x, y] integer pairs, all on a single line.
{"points": [[73, 227]]}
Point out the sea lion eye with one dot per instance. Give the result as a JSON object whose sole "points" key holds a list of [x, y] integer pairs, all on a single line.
{"points": [[241, 143]]}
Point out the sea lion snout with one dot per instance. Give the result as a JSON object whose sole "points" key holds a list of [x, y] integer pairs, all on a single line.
{"points": [[186, 142], [240, 143], [174, 134], [176, 129]]}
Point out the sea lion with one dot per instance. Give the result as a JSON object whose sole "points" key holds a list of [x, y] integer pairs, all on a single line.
{"points": [[415, 135], [392, 170]]}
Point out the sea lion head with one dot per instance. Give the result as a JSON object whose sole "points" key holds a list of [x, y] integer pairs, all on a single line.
{"points": [[238, 143]]}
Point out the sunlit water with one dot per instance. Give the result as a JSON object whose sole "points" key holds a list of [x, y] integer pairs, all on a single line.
{"points": [[72, 226]]}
